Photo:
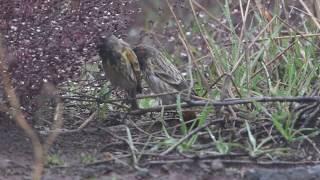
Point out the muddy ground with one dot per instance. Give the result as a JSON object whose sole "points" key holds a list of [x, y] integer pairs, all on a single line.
{"points": [[97, 153], [95, 143]]}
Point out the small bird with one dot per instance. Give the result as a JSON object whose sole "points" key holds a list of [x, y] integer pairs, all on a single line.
{"points": [[160, 74], [121, 66]]}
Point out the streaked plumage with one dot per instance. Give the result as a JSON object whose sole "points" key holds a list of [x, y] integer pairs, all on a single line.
{"points": [[159, 73], [120, 65]]}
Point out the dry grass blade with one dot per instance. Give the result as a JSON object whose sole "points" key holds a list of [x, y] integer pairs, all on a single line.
{"points": [[184, 39], [314, 19], [193, 132], [237, 64], [211, 15], [275, 59]]}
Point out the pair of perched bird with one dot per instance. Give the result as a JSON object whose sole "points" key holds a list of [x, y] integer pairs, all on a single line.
{"points": [[125, 68]]}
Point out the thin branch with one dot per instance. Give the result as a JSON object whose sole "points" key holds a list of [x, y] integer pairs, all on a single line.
{"points": [[88, 120], [15, 110], [232, 101], [58, 122], [265, 164]]}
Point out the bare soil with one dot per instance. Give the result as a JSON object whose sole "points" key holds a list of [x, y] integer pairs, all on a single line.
{"points": [[94, 153], [16, 158]]}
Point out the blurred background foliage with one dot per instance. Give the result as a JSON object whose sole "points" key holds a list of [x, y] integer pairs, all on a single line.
{"points": [[53, 41]]}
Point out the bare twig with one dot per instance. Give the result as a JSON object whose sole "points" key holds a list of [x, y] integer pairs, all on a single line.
{"points": [[15, 110], [95, 99], [58, 122], [112, 101], [40, 151], [232, 101], [265, 164], [86, 122]]}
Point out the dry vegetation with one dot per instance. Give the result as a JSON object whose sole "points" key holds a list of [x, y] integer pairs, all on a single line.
{"points": [[255, 65]]}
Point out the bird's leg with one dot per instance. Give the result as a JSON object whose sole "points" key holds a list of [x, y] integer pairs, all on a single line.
{"points": [[132, 99]]}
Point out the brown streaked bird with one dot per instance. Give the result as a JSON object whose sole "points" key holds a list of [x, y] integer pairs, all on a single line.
{"points": [[160, 74], [121, 66]]}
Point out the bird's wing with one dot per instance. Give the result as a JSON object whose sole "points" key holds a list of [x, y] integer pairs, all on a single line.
{"points": [[133, 64], [132, 58], [124, 66], [168, 73]]}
